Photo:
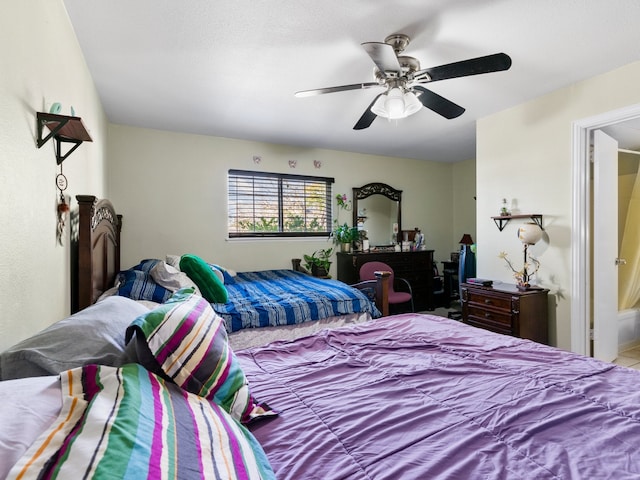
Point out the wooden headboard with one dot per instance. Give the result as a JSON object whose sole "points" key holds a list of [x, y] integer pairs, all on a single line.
{"points": [[95, 251]]}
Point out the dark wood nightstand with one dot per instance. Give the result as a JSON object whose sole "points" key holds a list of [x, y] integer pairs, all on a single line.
{"points": [[451, 283], [505, 309]]}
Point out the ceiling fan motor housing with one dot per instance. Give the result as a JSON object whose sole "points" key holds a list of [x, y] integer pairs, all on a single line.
{"points": [[398, 41]]}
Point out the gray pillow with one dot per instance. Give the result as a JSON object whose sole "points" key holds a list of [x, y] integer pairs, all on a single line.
{"points": [[93, 335]]}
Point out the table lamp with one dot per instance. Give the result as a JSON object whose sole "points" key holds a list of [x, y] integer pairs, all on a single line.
{"points": [[529, 234], [467, 262]]}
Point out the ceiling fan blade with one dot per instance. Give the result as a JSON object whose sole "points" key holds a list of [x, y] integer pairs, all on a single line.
{"points": [[367, 117], [342, 88], [383, 56], [438, 104], [474, 66]]}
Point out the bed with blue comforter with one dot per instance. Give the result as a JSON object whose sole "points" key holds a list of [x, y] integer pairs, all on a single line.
{"points": [[268, 298], [272, 298]]}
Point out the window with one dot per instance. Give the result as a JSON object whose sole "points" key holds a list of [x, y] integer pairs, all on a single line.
{"points": [[278, 205]]}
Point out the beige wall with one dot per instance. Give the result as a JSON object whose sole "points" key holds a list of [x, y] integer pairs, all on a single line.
{"points": [[524, 153], [160, 178], [627, 172], [157, 178], [41, 63], [464, 201], [172, 188]]}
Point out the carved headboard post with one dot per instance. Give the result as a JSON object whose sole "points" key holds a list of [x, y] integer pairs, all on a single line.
{"points": [[98, 250], [118, 231], [85, 264]]}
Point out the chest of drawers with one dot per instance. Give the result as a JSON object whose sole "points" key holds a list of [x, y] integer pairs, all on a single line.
{"points": [[505, 309]]}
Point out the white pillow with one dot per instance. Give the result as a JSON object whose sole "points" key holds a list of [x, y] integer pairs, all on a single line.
{"points": [[173, 260], [93, 335], [171, 278]]}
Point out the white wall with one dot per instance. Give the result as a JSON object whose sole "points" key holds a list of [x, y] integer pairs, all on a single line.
{"points": [[524, 153], [40, 63], [172, 187]]}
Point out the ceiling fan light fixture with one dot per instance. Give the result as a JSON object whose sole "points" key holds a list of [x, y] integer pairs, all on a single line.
{"points": [[394, 104], [378, 106], [411, 104]]}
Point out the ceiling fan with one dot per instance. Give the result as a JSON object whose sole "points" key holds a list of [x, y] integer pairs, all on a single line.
{"points": [[403, 80]]}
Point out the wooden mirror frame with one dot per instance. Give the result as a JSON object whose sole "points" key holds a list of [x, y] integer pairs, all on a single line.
{"points": [[360, 193]]}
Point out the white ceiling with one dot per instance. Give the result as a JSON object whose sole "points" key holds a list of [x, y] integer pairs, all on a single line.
{"points": [[626, 133], [231, 68]]}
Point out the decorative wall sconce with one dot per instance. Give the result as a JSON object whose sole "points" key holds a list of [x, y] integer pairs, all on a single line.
{"points": [[293, 163], [317, 163]]}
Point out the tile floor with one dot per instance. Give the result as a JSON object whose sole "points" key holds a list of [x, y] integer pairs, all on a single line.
{"points": [[629, 358]]}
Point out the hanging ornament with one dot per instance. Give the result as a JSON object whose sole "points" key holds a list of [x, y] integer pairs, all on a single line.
{"points": [[63, 206]]}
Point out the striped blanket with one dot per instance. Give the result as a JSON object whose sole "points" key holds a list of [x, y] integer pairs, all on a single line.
{"points": [[127, 423], [286, 297]]}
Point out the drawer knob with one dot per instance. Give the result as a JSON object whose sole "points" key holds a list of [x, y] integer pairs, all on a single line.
{"points": [[487, 315], [487, 301]]}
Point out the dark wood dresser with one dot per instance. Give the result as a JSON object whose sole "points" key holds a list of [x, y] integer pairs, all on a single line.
{"points": [[415, 267], [505, 309]]}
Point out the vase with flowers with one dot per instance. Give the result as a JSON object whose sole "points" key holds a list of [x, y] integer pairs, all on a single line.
{"points": [[529, 234], [523, 276]]}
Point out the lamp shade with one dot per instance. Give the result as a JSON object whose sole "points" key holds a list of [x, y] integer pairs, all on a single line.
{"points": [[378, 106], [411, 104], [466, 239], [530, 233], [395, 104]]}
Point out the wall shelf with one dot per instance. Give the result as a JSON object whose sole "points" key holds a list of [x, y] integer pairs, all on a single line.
{"points": [[63, 129], [502, 220]]}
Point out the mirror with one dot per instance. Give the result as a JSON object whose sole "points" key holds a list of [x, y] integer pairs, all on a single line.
{"points": [[376, 208]]}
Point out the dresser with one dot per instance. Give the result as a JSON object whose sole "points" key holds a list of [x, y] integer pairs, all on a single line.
{"points": [[415, 267], [505, 309]]}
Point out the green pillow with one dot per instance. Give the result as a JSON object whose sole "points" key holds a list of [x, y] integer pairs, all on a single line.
{"points": [[202, 275]]}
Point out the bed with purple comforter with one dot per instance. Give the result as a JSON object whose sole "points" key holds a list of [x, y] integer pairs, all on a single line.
{"points": [[423, 397], [404, 397]]}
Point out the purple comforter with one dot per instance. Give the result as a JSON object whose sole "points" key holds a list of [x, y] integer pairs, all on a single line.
{"points": [[423, 397]]}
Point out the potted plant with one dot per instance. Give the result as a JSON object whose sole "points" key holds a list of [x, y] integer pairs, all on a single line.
{"points": [[318, 262], [344, 235]]}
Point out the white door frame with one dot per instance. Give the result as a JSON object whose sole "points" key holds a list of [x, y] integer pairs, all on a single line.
{"points": [[580, 241]]}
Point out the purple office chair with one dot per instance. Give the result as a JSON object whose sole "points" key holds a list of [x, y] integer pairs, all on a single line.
{"points": [[395, 298]]}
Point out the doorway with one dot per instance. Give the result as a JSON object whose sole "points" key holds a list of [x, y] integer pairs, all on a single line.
{"points": [[581, 310]]}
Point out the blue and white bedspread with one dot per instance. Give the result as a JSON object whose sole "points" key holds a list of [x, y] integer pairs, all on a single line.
{"points": [[285, 297]]}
